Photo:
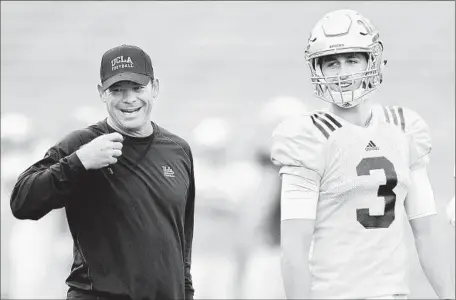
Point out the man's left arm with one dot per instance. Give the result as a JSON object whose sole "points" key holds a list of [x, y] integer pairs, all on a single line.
{"points": [[433, 251], [188, 231]]}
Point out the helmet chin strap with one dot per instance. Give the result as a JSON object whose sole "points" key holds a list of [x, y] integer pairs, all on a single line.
{"points": [[347, 99], [360, 112]]}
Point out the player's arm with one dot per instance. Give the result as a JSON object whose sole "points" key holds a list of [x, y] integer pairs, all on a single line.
{"points": [[45, 185], [420, 207], [299, 199], [427, 230], [296, 151]]}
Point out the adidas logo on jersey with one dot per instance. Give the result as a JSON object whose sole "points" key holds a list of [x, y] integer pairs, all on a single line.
{"points": [[371, 146]]}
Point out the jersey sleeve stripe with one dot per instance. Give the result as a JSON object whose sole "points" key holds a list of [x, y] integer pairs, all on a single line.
{"points": [[323, 131], [401, 117], [325, 121], [387, 118], [332, 120], [393, 113]]}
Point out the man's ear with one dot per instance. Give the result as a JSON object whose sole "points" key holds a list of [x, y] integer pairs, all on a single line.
{"points": [[100, 92], [155, 87]]}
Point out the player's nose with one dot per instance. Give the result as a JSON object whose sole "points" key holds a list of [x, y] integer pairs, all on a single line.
{"points": [[343, 76], [344, 73]]}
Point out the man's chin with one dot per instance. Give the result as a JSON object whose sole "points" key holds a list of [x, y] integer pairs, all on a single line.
{"points": [[134, 124]]}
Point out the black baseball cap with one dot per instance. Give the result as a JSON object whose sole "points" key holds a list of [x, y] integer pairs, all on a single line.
{"points": [[125, 62]]}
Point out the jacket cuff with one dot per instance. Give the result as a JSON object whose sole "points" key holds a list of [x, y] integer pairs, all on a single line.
{"points": [[188, 295], [75, 165]]}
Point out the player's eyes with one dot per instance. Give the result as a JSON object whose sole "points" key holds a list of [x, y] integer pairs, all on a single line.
{"points": [[332, 64]]}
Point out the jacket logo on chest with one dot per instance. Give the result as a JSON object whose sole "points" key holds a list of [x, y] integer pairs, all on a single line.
{"points": [[167, 171]]}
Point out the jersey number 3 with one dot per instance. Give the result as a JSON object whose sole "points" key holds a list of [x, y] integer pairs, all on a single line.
{"points": [[386, 191]]}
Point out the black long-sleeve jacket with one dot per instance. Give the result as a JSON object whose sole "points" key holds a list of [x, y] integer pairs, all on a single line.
{"points": [[131, 222]]}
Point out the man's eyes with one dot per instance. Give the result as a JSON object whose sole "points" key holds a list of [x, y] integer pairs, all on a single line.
{"points": [[138, 88], [135, 88]]}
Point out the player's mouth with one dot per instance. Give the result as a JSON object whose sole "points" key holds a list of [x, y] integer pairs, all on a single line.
{"points": [[345, 85]]}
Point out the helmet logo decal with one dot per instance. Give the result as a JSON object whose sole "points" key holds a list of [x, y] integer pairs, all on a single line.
{"points": [[367, 26]]}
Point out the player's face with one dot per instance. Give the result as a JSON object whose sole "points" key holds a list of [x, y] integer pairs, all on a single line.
{"points": [[341, 67], [129, 104]]}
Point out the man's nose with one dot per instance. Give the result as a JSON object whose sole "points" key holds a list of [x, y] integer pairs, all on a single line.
{"points": [[129, 96]]}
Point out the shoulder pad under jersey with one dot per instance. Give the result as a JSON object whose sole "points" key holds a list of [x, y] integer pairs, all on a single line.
{"points": [[299, 141], [416, 130]]}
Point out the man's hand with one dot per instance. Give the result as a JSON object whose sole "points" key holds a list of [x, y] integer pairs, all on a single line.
{"points": [[101, 151]]}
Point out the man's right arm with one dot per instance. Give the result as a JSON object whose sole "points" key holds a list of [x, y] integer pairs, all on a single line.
{"points": [[297, 148], [298, 202], [50, 182], [45, 185], [296, 237]]}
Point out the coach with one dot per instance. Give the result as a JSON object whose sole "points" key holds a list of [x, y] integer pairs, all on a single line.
{"points": [[128, 189]]}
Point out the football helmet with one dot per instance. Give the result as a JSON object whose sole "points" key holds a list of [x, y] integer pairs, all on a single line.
{"points": [[344, 31]]}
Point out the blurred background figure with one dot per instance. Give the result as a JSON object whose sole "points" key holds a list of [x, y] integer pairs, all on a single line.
{"points": [[237, 217], [28, 248], [261, 213], [215, 211], [223, 183]]}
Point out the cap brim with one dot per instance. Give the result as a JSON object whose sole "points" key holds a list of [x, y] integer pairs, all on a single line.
{"points": [[134, 77]]}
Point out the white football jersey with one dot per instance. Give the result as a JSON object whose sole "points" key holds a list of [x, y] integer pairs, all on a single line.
{"points": [[359, 248]]}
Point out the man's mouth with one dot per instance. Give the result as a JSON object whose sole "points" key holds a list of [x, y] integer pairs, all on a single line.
{"points": [[130, 111]]}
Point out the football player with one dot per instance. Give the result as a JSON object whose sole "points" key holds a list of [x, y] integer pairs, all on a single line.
{"points": [[351, 175]]}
